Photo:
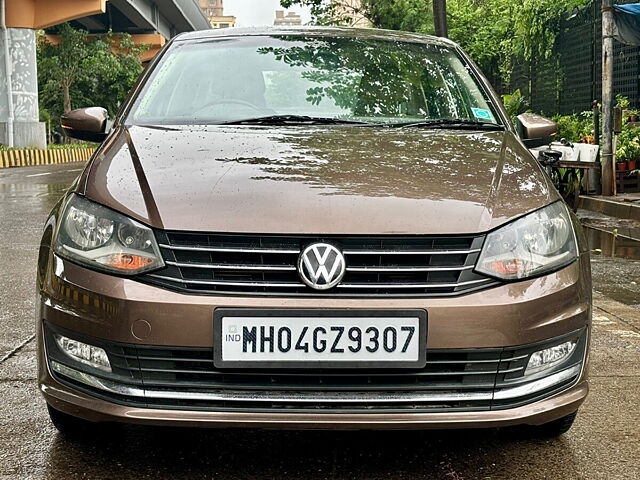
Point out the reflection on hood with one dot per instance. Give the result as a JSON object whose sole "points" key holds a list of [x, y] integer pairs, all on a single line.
{"points": [[330, 179]]}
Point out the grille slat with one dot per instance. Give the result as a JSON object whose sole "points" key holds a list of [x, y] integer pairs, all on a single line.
{"points": [[185, 384], [410, 252], [412, 285], [228, 249], [223, 266], [407, 269], [417, 374], [230, 283], [263, 265]]}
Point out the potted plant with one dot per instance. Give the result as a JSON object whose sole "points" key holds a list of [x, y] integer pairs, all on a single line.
{"points": [[628, 148], [622, 151]]}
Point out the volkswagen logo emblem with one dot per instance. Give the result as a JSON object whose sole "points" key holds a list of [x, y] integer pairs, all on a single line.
{"points": [[321, 266]]}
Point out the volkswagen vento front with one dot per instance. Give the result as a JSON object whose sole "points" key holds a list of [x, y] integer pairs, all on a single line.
{"points": [[311, 228]]}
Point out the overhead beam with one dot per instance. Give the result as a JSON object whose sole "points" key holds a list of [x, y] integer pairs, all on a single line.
{"points": [[187, 14], [166, 17], [92, 24], [155, 41], [36, 14], [173, 11], [145, 15]]}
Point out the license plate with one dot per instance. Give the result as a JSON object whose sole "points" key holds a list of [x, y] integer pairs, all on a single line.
{"points": [[252, 338]]}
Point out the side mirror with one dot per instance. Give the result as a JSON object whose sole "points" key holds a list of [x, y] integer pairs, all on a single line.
{"points": [[536, 130], [88, 124]]}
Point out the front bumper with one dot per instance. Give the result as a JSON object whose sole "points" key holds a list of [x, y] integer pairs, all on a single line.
{"points": [[94, 409], [133, 315]]}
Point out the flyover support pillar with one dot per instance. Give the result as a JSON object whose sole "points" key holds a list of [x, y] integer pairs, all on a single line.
{"points": [[19, 90]]}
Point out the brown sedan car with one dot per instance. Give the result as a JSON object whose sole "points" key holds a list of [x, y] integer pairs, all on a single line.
{"points": [[312, 228]]}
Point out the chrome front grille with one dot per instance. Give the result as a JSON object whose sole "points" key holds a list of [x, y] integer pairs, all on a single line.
{"points": [[385, 265]]}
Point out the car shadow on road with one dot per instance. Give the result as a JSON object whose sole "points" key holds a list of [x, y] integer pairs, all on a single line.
{"points": [[144, 452]]}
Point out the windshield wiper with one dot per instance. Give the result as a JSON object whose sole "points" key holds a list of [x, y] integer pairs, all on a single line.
{"points": [[450, 123], [293, 119]]}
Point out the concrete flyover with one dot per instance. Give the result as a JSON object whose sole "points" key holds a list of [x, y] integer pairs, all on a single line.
{"points": [[148, 21]]}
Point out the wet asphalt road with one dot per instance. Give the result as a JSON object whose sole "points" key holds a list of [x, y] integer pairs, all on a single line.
{"points": [[603, 444]]}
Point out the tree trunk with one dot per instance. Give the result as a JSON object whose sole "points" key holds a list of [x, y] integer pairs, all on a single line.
{"points": [[440, 17], [607, 153], [66, 103]]}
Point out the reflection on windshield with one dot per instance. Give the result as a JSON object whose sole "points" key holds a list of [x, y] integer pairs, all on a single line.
{"points": [[374, 81]]}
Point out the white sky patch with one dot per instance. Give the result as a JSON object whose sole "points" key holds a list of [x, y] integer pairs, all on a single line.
{"points": [[257, 13]]}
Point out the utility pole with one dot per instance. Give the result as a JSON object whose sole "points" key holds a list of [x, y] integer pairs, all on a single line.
{"points": [[608, 180], [440, 17]]}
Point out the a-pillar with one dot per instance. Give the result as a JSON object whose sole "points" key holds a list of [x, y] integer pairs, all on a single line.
{"points": [[19, 89]]}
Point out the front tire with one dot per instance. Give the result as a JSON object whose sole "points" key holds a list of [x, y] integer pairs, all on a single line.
{"points": [[70, 426], [552, 429]]}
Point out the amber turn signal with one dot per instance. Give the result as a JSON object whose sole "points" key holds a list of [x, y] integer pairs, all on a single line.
{"points": [[125, 261], [507, 267]]}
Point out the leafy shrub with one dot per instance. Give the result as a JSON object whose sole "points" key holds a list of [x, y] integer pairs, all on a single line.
{"points": [[628, 146], [622, 102], [575, 128], [515, 104]]}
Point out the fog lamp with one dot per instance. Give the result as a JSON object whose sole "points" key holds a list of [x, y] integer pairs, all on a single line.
{"points": [[549, 357], [95, 357]]}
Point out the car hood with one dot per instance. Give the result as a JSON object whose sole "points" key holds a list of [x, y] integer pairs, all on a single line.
{"points": [[316, 179]]}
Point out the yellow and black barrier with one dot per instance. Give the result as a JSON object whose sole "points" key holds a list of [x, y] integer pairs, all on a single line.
{"points": [[31, 156]]}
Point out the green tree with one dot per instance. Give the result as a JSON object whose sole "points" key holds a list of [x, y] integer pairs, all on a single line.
{"points": [[492, 32], [407, 15], [61, 64], [83, 70]]}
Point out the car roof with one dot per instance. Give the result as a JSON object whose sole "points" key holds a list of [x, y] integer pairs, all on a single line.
{"points": [[367, 33]]}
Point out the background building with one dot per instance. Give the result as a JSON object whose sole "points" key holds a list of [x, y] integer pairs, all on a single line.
{"points": [[291, 19], [214, 11]]}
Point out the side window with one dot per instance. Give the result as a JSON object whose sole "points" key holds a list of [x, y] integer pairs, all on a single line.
{"points": [[156, 101]]}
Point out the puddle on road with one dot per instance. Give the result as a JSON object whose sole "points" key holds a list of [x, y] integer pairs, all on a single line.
{"points": [[608, 245], [615, 266], [39, 196]]}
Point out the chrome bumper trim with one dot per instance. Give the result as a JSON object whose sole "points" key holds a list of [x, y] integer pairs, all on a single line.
{"points": [[537, 385], [315, 397], [95, 382], [265, 396]]}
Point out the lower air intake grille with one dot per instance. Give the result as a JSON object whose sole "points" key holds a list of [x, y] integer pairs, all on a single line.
{"points": [[186, 378]]}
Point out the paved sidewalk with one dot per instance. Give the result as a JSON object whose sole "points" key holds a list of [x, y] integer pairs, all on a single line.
{"points": [[621, 206]]}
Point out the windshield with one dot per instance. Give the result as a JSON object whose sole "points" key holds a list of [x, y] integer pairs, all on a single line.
{"points": [[351, 79]]}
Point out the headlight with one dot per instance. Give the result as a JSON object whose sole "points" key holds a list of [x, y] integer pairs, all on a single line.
{"points": [[105, 240], [535, 244]]}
